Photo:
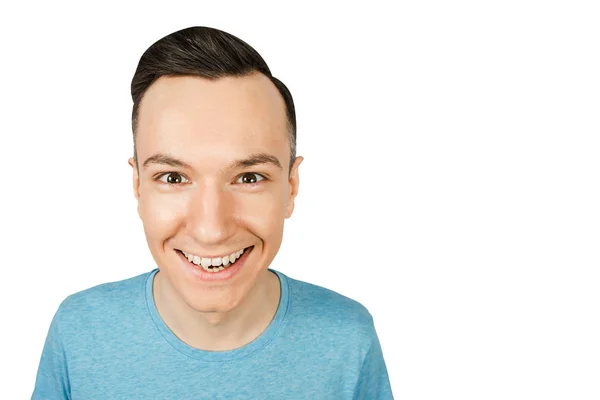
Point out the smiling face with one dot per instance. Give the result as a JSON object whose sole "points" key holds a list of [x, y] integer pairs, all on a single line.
{"points": [[213, 179]]}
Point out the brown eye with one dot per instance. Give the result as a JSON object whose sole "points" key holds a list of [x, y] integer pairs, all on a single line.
{"points": [[173, 178], [250, 177]]}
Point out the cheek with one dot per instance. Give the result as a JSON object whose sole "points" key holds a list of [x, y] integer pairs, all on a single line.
{"points": [[161, 213], [261, 213], [264, 214]]}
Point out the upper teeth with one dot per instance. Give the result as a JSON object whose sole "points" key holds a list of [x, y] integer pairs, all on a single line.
{"points": [[216, 261]]}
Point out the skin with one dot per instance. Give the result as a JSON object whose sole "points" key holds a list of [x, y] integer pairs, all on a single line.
{"points": [[213, 208]]}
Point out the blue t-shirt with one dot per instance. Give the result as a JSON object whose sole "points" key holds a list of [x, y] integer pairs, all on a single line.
{"points": [[109, 342]]}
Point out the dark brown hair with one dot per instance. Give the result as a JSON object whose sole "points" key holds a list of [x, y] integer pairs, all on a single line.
{"points": [[208, 53]]}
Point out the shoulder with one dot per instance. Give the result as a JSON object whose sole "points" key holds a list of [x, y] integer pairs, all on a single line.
{"points": [[109, 292], [101, 301], [330, 312]]}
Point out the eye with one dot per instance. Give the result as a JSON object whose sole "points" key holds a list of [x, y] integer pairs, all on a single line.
{"points": [[173, 178], [250, 178]]}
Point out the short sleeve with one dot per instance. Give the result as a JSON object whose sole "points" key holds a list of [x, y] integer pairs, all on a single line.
{"points": [[52, 381], [373, 382]]}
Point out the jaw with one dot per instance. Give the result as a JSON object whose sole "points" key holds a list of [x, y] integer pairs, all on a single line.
{"points": [[245, 294]]}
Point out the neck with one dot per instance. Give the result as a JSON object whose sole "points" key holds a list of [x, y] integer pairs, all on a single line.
{"points": [[219, 331]]}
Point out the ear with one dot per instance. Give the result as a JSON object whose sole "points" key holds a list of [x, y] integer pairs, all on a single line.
{"points": [[136, 181], [294, 183]]}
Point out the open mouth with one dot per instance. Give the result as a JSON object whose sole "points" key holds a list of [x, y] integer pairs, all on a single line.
{"points": [[216, 264]]}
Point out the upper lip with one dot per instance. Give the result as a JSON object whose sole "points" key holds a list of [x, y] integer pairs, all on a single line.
{"points": [[199, 254]]}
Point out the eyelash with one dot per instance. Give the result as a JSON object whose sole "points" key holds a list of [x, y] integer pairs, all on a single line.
{"points": [[157, 179]]}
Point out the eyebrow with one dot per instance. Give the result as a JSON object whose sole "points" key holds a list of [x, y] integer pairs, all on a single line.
{"points": [[250, 161]]}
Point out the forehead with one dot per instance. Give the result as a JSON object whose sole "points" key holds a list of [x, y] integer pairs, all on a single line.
{"points": [[183, 114]]}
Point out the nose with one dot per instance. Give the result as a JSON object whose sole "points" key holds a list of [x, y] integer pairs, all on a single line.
{"points": [[211, 215]]}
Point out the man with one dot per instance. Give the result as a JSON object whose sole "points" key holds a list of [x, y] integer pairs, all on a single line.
{"points": [[215, 175]]}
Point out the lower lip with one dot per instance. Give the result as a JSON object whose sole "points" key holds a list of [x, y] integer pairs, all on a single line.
{"points": [[200, 274]]}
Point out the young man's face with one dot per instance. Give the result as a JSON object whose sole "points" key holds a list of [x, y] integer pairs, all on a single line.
{"points": [[213, 206]]}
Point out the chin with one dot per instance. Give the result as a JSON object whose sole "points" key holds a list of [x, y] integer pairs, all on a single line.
{"points": [[212, 305], [211, 309], [217, 298]]}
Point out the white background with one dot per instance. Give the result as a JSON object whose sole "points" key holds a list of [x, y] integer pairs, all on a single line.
{"points": [[450, 181]]}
